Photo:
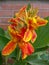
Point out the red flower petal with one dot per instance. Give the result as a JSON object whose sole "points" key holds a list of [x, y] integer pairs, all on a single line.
{"points": [[22, 31], [30, 48], [13, 21]]}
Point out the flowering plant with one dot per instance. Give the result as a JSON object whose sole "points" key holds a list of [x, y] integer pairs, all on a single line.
{"points": [[23, 32]]}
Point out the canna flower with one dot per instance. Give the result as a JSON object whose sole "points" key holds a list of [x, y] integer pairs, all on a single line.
{"points": [[22, 30]]}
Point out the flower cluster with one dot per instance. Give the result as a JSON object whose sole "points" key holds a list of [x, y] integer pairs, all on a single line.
{"points": [[22, 30]]}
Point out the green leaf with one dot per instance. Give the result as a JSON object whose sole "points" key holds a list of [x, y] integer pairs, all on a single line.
{"points": [[42, 36], [1, 59], [3, 41], [39, 58], [41, 49], [2, 31], [47, 18], [14, 16], [28, 7]]}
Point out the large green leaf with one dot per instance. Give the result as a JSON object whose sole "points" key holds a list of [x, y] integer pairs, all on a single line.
{"points": [[42, 36], [7, 34], [39, 58], [2, 32], [3, 41]]}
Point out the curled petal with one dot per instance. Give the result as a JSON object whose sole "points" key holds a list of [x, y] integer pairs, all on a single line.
{"points": [[27, 35], [41, 21], [26, 49], [34, 36], [9, 48]]}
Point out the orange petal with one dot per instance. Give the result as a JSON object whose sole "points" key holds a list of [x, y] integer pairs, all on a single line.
{"points": [[26, 49], [27, 35], [41, 21], [34, 36], [23, 47], [9, 48]]}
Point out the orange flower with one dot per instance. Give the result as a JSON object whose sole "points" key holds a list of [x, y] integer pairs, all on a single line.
{"points": [[22, 30]]}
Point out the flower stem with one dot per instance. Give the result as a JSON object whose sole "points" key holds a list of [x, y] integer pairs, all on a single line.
{"points": [[18, 56], [6, 59]]}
